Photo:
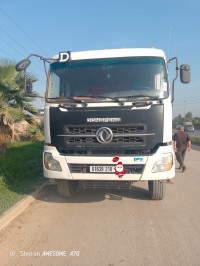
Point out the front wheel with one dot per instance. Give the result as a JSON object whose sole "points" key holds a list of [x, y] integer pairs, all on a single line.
{"points": [[66, 188], [156, 189]]}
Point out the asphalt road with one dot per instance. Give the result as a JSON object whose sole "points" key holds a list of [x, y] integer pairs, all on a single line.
{"points": [[110, 228]]}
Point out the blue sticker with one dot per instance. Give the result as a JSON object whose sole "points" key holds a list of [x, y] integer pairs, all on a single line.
{"points": [[138, 159]]}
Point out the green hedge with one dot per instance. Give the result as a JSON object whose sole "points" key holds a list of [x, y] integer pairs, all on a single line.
{"points": [[195, 141], [20, 171]]}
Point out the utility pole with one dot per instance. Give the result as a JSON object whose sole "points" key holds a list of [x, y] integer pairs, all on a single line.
{"points": [[184, 108]]}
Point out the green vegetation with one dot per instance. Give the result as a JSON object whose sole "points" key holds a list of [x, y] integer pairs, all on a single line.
{"points": [[188, 117], [195, 141], [20, 172], [14, 105], [36, 131]]}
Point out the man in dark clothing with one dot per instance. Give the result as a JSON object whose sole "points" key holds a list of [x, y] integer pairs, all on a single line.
{"points": [[182, 143]]}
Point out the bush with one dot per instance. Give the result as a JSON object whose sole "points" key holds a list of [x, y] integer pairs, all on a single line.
{"points": [[5, 137], [36, 131], [195, 141]]}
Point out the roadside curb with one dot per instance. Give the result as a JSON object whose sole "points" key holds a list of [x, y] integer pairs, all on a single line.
{"points": [[195, 147], [19, 207]]}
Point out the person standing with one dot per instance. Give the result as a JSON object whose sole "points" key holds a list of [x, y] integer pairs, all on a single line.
{"points": [[182, 143]]}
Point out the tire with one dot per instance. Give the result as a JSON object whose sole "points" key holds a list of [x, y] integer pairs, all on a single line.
{"points": [[66, 188], [157, 189]]}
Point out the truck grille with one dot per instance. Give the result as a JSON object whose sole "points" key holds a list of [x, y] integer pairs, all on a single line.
{"points": [[121, 135], [122, 130], [82, 140]]}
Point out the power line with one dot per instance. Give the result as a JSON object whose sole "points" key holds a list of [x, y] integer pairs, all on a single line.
{"points": [[186, 98], [7, 54], [192, 100], [170, 31], [186, 103], [14, 59], [11, 46], [33, 41], [15, 40], [19, 44]]}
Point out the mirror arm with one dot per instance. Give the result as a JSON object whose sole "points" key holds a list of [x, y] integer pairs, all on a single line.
{"points": [[32, 96], [48, 60], [25, 81], [177, 68], [45, 68]]}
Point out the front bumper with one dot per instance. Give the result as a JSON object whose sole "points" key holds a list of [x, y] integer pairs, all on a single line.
{"points": [[143, 163]]}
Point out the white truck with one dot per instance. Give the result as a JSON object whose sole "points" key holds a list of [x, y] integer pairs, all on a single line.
{"points": [[188, 126], [108, 119]]}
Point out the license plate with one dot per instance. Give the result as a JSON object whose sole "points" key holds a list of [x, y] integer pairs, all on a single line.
{"points": [[102, 169]]}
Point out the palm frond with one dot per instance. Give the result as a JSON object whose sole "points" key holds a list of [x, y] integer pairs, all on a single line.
{"points": [[12, 114], [7, 72], [14, 103]]}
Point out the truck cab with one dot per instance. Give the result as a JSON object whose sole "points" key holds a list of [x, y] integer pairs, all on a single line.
{"points": [[108, 120], [189, 128]]}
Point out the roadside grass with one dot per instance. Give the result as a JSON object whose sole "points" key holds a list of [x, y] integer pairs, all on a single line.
{"points": [[195, 141], [20, 172]]}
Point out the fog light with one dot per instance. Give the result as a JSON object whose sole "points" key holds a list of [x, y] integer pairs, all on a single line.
{"points": [[50, 163], [164, 164]]}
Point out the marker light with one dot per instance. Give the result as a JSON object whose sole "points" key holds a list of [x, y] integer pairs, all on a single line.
{"points": [[164, 164], [50, 163]]}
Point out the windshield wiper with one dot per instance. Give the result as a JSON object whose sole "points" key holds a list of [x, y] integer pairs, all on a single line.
{"points": [[77, 100], [116, 99], [147, 97], [140, 100], [68, 98]]}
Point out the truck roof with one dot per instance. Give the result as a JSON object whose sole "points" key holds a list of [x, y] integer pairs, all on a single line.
{"points": [[188, 123], [116, 53]]}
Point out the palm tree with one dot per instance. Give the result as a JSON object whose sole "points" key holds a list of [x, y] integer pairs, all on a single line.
{"points": [[14, 105]]}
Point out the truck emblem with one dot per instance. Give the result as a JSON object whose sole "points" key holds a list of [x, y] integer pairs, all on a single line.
{"points": [[104, 135], [64, 57], [103, 119]]}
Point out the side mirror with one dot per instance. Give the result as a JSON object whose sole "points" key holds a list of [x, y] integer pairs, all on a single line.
{"points": [[22, 65], [185, 73]]}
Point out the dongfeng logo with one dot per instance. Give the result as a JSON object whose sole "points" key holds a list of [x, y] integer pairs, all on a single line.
{"points": [[104, 135]]}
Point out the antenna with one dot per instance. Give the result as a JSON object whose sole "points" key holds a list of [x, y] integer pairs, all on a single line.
{"points": [[170, 32]]}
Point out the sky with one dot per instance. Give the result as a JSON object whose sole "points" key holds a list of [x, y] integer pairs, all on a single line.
{"points": [[47, 27]]}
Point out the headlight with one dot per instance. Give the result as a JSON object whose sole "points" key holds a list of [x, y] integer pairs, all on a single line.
{"points": [[164, 164], [50, 163]]}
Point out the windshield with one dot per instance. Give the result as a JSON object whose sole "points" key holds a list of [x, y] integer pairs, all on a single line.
{"points": [[119, 77]]}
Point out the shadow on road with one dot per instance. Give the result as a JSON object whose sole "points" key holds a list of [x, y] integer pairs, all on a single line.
{"points": [[50, 194], [177, 170]]}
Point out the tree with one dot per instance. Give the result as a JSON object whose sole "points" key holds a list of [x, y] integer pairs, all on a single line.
{"points": [[14, 105], [188, 116], [178, 120]]}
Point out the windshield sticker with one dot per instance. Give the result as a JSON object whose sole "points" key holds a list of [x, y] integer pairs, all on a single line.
{"points": [[115, 159], [119, 169], [138, 159], [164, 86]]}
